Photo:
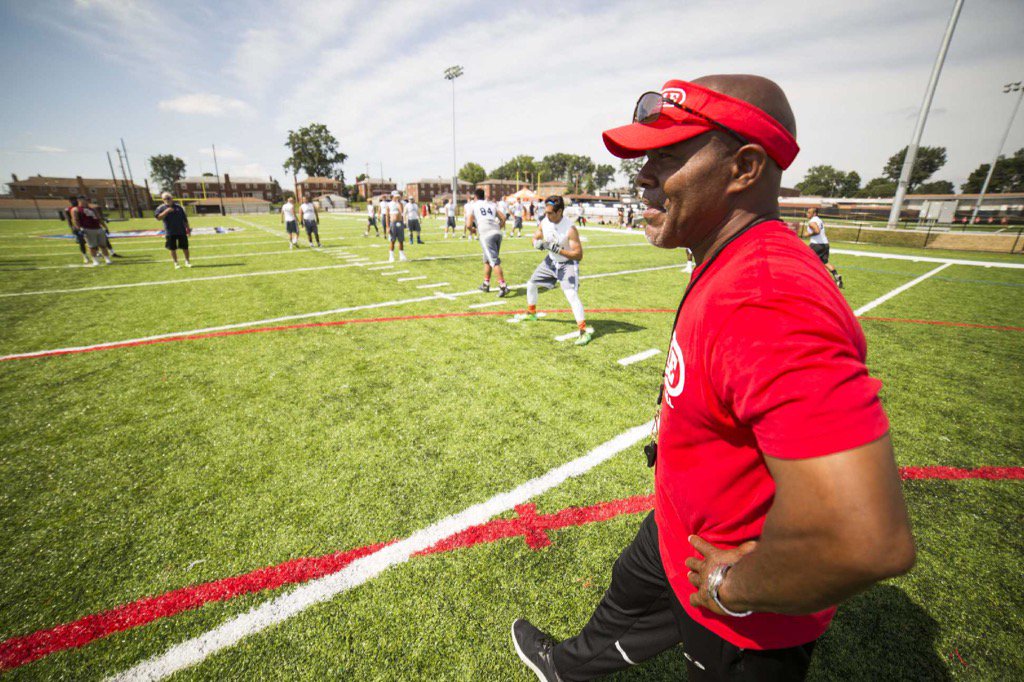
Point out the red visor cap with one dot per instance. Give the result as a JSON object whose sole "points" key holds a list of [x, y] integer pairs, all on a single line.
{"points": [[675, 125]]}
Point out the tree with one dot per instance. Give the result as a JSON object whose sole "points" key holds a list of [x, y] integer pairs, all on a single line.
{"points": [[631, 168], [826, 181], [579, 169], [315, 151], [1007, 177], [166, 169], [936, 187], [472, 173], [207, 175], [603, 174], [929, 160], [878, 187], [521, 167], [361, 177]]}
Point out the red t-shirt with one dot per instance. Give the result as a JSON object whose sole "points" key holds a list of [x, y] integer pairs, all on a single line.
{"points": [[766, 359]]}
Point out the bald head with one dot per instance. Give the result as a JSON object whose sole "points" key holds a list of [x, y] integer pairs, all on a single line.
{"points": [[764, 94]]}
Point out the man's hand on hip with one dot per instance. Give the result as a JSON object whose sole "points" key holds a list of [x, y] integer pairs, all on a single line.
{"points": [[700, 569]]}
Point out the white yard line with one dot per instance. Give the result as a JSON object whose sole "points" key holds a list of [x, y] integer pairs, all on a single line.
{"points": [[899, 290], [287, 318], [410, 279], [184, 280], [382, 267], [118, 243], [488, 304], [433, 286], [643, 355], [396, 272], [930, 259], [280, 609]]}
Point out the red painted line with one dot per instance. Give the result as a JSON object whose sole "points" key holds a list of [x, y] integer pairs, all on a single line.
{"points": [[943, 323], [304, 325], [957, 474], [528, 524]]}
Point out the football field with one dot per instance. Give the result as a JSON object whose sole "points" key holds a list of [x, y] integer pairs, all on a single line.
{"points": [[310, 464]]}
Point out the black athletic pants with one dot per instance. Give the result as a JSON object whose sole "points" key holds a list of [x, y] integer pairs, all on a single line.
{"points": [[639, 617]]}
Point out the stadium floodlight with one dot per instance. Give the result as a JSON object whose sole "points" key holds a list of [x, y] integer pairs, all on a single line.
{"points": [[1009, 87], [451, 73], [922, 116]]}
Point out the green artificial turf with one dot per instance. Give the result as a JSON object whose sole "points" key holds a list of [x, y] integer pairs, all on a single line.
{"points": [[134, 471]]}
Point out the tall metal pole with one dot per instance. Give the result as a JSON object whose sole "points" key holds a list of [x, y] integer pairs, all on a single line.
{"points": [[1009, 87], [131, 178], [117, 195], [220, 181], [451, 73], [922, 116], [124, 176]]}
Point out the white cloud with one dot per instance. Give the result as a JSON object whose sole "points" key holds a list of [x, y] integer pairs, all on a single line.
{"points": [[206, 104], [223, 153], [256, 170]]}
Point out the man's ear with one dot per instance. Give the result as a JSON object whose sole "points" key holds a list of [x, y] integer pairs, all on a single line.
{"points": [[749, 164]]}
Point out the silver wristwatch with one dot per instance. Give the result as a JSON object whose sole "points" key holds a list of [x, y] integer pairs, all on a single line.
{"points": [[714, 582]]}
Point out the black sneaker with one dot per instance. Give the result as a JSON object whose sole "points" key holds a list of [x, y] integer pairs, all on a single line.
{"points": [[534, 648], [503, 292], [485, 287]]}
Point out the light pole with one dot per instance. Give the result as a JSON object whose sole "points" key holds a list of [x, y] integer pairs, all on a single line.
{"points": [[1009, 87], [922, 116], [451, 73]]}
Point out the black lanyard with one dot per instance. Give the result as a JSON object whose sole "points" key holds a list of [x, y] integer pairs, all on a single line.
{"points": [[651, 449]]}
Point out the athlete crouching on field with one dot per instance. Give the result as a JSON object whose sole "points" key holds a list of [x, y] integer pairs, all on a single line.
{"points": [[776, 491]]}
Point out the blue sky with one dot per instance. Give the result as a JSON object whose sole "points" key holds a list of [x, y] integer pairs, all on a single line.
{"points": [[541, 77]]}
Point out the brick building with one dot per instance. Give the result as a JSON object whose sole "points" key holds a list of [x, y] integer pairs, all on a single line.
{"points": [[312, 188], [426, 190], [371, 187], [546, 189], [101, 192], [496, 189], [205, 186]]}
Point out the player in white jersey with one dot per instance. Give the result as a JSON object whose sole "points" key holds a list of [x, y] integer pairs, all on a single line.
{"points": [[489, 222], [557, 235], [394, 227], [517, 219], [371, 219], [449, 218], [311, 221], [291, 223], [412, 219], [819, 244]]}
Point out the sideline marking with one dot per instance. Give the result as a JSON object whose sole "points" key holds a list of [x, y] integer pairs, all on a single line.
{"points": [[643, 355], [183, 280], [432, 286], [361, 570], [898, 290], [529, 525]]}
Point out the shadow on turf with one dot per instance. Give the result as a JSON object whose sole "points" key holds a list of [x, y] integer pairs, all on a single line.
{"points": [[879, 635]]}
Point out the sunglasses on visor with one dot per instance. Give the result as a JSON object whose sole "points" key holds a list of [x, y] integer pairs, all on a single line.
{"points": [[648, 109]]}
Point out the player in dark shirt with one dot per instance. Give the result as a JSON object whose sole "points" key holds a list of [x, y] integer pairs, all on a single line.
{"points": [[176, 228]]}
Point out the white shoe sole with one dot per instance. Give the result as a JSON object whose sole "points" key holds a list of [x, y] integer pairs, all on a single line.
{"points": [[522, 656]]}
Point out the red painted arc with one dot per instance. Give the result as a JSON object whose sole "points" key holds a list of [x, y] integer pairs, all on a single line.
{"points": [[530, 525], [405, 318]]}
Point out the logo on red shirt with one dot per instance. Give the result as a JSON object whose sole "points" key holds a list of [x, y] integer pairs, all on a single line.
{"points": [[674, 372]]}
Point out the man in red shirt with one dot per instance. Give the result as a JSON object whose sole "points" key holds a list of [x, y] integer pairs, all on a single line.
{"points": [[776, 491]]}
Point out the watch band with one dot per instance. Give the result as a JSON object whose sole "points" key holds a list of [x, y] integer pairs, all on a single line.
{"points": [[715, 580]]}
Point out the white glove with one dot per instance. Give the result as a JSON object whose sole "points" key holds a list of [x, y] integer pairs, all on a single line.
{"points": [[539, 244]]}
